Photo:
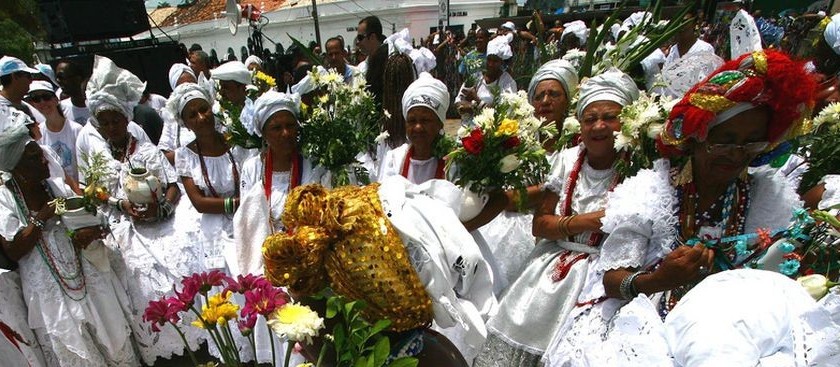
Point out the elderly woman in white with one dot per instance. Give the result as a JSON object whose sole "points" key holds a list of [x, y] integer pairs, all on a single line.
{"points": [[76, 305], [568, 219]]}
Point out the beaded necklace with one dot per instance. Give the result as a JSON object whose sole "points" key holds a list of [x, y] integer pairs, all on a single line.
{"points": [[564, 262], [207, 179], [295, 179], [72, 281], [407, 161], [733, 214], [124, 153]]}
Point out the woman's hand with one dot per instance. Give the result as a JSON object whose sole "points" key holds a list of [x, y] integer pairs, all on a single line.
{"points": [[469, 94], [46, 212], [84, 236], [150, 211], [684, 265], [587, 222]]}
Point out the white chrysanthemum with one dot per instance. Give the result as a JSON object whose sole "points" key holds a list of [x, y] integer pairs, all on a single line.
{"points": [[509, 163], [296, 322], [574, 54], [653, 130], [381, 137], [622, 142], [571, 125], [387, 114], [486, 118], [650, 114], [332, 77], [830, 114]]}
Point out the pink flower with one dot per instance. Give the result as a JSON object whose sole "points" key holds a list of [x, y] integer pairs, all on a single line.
{"points": [[263, 300], [246, 283], [246, 324], [162, 311], [204, 281], [189, 289]]}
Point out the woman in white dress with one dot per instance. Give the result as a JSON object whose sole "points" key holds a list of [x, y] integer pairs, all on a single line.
{"points": [[568, 219], [75, 302], [664, 224], [175, 134], [153, 255], [471, 98], [267, 180]]}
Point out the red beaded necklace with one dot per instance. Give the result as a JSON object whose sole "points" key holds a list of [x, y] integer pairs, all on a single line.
{"points": [[594, 238], [207, 179], [297, 163], [407, 161]]}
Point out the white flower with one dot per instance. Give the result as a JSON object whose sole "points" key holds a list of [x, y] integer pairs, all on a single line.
{"points": [[387, 114], [296, 322], [486, 118], [650, 114], [829, 114], [574, 54], [571, 125], [217, 107], [381, 137], [622, 142], [463, 131], [817, 285], [654, 130], [509, 163]]}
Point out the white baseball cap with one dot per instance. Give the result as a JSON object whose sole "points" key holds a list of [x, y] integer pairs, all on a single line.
{"points": [[41, 85], [10, 65]]}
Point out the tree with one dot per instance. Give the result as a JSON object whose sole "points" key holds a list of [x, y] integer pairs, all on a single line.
{"points": [[20, 26]]}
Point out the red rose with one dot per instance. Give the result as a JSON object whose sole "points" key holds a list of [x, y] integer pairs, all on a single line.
{"points": [[474, 142], [511, 142]]}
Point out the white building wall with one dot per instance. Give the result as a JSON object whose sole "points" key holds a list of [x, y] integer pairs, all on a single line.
{"points": [[335, 18]]}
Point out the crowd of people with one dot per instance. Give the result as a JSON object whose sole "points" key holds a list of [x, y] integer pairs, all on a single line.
{"points": [[591, 267]]}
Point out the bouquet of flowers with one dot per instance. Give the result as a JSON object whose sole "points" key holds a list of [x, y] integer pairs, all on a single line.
{"points": [[235, 132], [343, 123], [641, 123], [260, 83], [502, 151], [818, 144], [98, 174], [216, 312]]}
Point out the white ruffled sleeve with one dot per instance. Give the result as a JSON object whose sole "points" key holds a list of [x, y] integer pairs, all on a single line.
{"points": [[772, 202], [640, 219], [11, 223], [831, 196], [185, 160]]}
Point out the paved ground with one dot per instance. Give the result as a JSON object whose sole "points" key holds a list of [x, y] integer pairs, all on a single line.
{"points": [[451, 126]]}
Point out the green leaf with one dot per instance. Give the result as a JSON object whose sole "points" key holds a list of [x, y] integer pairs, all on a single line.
{"points": [[316, 60], [379, 326], [361, 362], [339, 335], [333, 304], [405, 362], [381, 351]]}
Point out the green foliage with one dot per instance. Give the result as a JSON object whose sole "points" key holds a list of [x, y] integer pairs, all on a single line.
{"points": [[358, 343], [823, 156], [15, 41], [315, 59], [236, 133]]}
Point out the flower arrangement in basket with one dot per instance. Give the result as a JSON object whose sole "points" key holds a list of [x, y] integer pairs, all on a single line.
{"points": [[342, 124], [80, 211], [234, 131], [216, 312], [502, 151], [641, 123]]}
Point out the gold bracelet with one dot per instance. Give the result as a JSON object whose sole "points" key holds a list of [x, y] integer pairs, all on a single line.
{"points": [[566, 224], [560, 227]]}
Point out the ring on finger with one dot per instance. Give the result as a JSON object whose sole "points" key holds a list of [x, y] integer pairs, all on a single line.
{"points": [[703, 271]]}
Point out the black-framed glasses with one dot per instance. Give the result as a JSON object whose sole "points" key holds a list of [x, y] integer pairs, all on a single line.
{"points": [[361, 37], [727, 149], [39, 97]]}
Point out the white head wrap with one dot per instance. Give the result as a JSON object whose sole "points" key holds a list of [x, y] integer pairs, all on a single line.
{"points": [[612, 85], [500, 46], [253, 59], [423, 58], [509, 26], [428, 92], [112, 88], [832, 33], [182, 94], [578, 28], [560, 70], [256, 115], [37, 85], [233, 71], [637, 18], [14, 135], [175, 72]]}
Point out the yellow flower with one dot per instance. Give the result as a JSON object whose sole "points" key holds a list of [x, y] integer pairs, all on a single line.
{"points": [[324, 98], [508, 127], [218, 310], [263, 77]]}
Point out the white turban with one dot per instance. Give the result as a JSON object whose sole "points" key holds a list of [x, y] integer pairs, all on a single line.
{"points": [[509, 26], [578, 28], [233, 71], [427, 92], [253, 59], [14, 135], [832, 33], [559, 70], [399, 42], [256, 115], [423, 58], [612, 85], [500, 46], [637, 18], [175, 73], [182, 95], [112, 88]]}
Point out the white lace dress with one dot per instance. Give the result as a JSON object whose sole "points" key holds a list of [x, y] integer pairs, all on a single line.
{"points": [[537, 302], [641, 220], [18, 344], [151, 256], [212, 234], [89, 329]]}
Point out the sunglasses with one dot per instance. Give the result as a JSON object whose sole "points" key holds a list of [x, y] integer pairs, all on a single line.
{"points": [[36, 98], [361, 37]]}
